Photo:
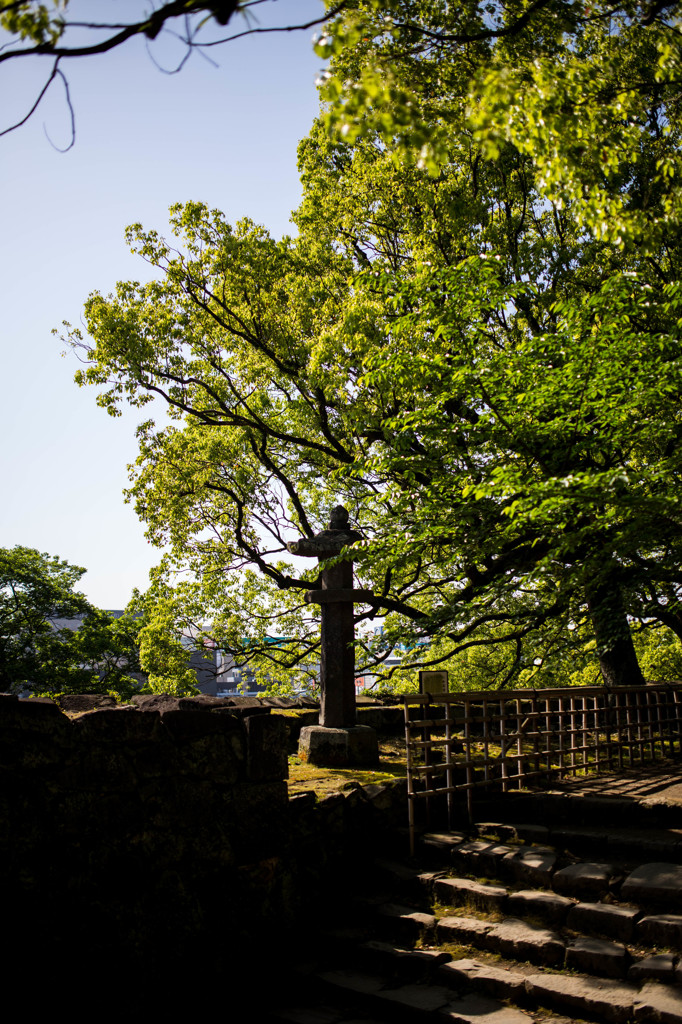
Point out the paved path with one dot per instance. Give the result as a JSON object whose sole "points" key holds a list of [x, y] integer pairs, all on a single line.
{"points": [[659, 783]]}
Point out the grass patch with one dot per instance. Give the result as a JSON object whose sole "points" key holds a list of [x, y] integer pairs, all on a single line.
{"points": [[466, 909], [456, 951], [304, 776]]}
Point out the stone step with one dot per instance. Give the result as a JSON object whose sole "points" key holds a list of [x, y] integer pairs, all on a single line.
{"points": [[628, 924], [629, 846], [536, 937], [510, 938], [528, 941], [555, 808], [410, 984], [604, 1000], [404, 923], [625, 924], [421, 1001], [604, 939], [656, 885], [586, 997]]}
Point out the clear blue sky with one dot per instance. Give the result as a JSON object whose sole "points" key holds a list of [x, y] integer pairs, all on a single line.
{"points": [[226, 136]]}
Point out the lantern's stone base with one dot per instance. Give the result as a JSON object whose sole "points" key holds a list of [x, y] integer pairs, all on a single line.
{"points": [[338, 748]]}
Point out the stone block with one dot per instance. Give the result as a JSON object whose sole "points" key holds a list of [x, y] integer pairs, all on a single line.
{"points": [[332, 811], [492, 860], [260, 819], [531, 865], [302, 802], [460, 892], [112, 725], [584, 879], [604, 919], [187, 726], [597, 956], [480, 856], [659, 1004], [396, 873], [599, 998], [493, 830], [266, 744], [637, 847], [243, 706], [492, 981], [587, 808], [660, 967], [34, 736], [660, 930], [477, 1009], [406, 964], [410, 924], [655, 883], [39, 714], [548, 907], [438, 849], [296, 719], [380, 796], [466, 930], [336, 748], [158, 702], [76, 702], [516, 939], [574, 839]]}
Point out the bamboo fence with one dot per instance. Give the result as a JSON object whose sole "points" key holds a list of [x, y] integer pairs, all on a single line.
{"points": [[510, 739]]}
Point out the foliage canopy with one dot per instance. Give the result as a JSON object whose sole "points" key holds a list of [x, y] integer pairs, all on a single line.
{"points": [[472, 343]]}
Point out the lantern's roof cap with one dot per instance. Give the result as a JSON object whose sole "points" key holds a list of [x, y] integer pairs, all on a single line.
{"points": [[327, 542]]}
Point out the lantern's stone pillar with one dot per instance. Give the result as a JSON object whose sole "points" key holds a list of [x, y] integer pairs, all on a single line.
{"points": [[337, 653], [337, 740]]}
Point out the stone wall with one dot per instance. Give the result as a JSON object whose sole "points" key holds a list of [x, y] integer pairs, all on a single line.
{"points": [[160, 834], [138, 835]]}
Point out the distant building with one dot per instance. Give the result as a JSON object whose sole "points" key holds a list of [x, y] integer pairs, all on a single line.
{"points": [[241, 679], [365, 680]]}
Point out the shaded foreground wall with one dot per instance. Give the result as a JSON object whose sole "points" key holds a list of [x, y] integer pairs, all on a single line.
{"points": [[164, 838]]}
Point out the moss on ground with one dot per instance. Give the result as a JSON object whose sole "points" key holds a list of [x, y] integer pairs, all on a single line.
{"points": [[323, 781]]}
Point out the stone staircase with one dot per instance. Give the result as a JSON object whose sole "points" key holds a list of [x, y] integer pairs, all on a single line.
{"points": [[507, 923]]}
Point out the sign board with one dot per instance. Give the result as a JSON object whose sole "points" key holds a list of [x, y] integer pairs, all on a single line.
{"points": [[433, 682]]}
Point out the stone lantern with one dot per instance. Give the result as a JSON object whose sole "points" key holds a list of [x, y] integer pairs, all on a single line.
{"points": [[338, 739]]}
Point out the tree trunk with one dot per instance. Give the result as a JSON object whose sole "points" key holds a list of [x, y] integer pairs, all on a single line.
{"points": [[615, 650]]}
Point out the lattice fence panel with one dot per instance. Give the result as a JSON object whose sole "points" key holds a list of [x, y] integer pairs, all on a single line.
{"points": [[460, 742]]}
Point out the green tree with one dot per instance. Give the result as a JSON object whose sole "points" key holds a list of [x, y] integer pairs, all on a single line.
{"points": [[41, 651], [35, 591], [660, 654], [107, 656], [171, 629], [572, 86], [489, 385]]}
